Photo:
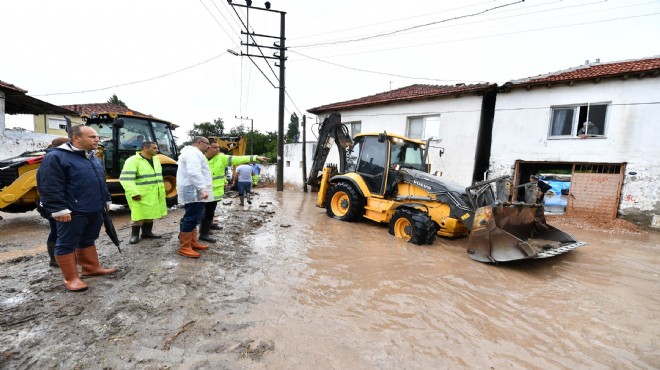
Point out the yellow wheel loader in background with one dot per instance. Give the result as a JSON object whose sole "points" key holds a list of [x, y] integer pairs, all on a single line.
{"points": [[385, 178], [121, 135]]}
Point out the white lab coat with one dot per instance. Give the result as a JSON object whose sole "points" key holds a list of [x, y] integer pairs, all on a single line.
{"points": [[193, 176]]}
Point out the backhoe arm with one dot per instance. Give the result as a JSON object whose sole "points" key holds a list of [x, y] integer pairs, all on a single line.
{"points": [[331, 130]]}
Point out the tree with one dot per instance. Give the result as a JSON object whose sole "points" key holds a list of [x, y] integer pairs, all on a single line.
{"points": [[116, 101], [206, 129], [293, 132], [238, 130]]}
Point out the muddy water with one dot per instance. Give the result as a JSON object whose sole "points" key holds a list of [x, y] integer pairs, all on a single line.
{"points": [[335, 295]]}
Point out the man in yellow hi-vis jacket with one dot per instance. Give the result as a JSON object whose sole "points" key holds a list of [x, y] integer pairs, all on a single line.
{"points": [[142, 179], [218, 162]]}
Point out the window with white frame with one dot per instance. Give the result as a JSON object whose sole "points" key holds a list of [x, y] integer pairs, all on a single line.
{"points": [[56, 124], [355, 127], [423, 127], [571, 121]]}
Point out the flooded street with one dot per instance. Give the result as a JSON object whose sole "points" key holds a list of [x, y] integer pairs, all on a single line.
{"points": [[288, 287]]}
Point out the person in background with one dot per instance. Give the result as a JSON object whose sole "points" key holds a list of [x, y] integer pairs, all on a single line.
{"points": [[194, 185], [142, 180], [588, 129], [218, 162], [243, 177], [256, 170], [542, 185], [72, 189], [52, 236]]}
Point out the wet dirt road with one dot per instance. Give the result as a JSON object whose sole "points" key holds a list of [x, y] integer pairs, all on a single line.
{"points": [[291, 288]]}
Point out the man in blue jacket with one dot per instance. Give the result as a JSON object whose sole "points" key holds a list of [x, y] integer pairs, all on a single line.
{"points": [[72, 190]]}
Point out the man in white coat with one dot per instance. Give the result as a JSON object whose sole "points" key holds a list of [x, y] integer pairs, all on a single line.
{"points": [[194, 185]]}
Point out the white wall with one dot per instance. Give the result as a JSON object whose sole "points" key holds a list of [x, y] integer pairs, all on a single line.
{"points": [[632, 135], [459, 125]]}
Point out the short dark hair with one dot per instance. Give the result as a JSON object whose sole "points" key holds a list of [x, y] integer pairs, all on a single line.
{"points": [[197, 139], [75, 131], [146, 144], [224, 150]]}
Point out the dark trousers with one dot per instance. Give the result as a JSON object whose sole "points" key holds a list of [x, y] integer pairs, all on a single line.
{"points": [[81, 232], [52, 237], [192, 217], [209, 211], [244, 187]]}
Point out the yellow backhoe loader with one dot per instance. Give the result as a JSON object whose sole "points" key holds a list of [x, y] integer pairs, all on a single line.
{"points": [[121, 135], [385, 178]]}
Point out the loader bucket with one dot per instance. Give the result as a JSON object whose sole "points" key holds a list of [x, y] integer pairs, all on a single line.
{"points": [[509, 232]]}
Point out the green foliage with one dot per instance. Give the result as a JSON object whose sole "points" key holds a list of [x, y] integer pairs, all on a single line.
{"points": [[206, 129], [239, 130], [116, 101], [293, 131]]}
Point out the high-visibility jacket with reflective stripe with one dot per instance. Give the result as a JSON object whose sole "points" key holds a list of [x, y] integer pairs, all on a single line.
{"points": [[219, 164], [139, 178]]}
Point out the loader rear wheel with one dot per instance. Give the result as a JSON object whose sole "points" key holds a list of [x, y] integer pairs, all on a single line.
{"points": [[169, 180], [413, 226], [344, 203]]}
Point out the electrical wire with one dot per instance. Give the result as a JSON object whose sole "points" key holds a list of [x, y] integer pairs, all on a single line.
{"points": [[408, 28], [216, 19], [554, 27], [135, 82], [382, 73], [392, 21]]}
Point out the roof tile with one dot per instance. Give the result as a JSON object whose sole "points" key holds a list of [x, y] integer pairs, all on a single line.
{"points": [[408, 93]]}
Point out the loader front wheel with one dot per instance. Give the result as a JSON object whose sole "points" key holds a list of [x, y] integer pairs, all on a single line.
{"points": [[413, 226], [344, 203]]}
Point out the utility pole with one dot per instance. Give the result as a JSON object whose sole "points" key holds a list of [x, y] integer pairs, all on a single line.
{"points": [[251, 131], [281, 58]]}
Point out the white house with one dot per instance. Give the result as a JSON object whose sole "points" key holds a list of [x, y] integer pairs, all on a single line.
{"points": [[616, 167], [457, 118]]}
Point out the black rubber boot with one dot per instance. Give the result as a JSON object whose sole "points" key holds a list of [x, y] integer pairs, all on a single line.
{"points": [[216, 227], [51, 252], [135, 235], [146, 231], [204, 233], [241, 203]]}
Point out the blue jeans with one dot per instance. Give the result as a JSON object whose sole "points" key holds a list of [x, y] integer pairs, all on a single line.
{"points": [[192, 217], [244, 187], [81, 232]]}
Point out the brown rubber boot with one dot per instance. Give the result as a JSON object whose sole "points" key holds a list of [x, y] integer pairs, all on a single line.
{"points": [[69, 269], [88, 258], [194, 244], [185, 238]]}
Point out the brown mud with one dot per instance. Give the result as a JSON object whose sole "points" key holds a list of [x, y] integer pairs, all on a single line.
{"points": [[288, 287]]}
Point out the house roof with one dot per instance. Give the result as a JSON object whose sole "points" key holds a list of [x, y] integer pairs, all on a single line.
{"points": [[18, 102], [647, 67], [89, 109], [404, 94]]}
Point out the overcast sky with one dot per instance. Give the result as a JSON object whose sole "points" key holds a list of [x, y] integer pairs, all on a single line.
{"points": [[169, 58]]}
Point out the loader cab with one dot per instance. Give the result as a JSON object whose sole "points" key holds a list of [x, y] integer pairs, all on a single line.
{"points": [[377, 158], [122, 136]]}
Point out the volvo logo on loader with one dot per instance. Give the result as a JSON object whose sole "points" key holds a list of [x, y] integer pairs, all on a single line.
{"points": [[427, 187]]}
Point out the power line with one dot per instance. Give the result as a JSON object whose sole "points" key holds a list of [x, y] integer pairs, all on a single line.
{"points": [[135, 82], [386, 22], [381, 73], [554, 27], [407, 28], [216, 19]]}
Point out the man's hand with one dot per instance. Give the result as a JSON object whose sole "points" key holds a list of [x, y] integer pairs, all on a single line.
{"points": [[63, 218], [137, 197], [262, 158], [204, 195]]}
